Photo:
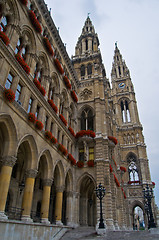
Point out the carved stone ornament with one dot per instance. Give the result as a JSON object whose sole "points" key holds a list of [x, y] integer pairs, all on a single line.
{"points": [[134, 193], [31, 173], [86, 94], [47, 182], [8, 161]]}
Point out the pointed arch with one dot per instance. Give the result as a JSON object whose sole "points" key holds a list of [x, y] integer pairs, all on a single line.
{"points": [[69, 180], [45, 155], [58, 174]]}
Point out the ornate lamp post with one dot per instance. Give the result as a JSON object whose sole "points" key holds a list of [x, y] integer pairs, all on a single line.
{"points": [[100, 192], [148, 195]]}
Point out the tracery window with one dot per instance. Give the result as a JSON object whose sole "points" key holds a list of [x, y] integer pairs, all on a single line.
{"points": [[125, 111], [133, 174], [87, 119]]}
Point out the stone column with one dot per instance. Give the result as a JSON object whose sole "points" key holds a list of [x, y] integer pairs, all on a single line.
{"points": [[28, 194], [46, 200], [5, 176], [69, 206], [58, 205]]}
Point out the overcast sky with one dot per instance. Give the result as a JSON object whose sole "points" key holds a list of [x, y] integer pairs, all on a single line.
{"points": [[134, 25]]}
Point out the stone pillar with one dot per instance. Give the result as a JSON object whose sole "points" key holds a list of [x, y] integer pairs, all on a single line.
{"points": [[58, 205], [46, 200], [69, 207], [28, 194], [5, 176]]}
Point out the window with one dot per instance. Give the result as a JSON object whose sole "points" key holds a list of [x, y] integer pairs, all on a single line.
{"points": [[9, 81], [91, 153], [30, 105], [125, 111], [81, 154], [133, 174], [62, 142], [17, 49], [37, 111], [89, 69], [46, 121], [21, 48], [51, 128], [18, 92], [58, 135], [87, 119], [82, 71], [86, 44], [51, 93], [3, 23], [38, 73]]}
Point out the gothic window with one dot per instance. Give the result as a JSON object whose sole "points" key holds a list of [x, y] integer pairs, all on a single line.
{"points": [[133, 173], [3, 23], [21, 48], [89, 69], [18, 92], [87, 119], [37, 111], [9, 81], [86, 44], [82, 71], [119, 71], [125, 111], [51, 92], [30, 105]]}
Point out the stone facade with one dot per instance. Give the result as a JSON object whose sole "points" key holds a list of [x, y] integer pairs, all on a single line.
{"points": [[58, 138]]}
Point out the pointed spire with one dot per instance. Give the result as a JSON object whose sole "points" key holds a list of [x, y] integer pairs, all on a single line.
{"points": [[119, 68]]}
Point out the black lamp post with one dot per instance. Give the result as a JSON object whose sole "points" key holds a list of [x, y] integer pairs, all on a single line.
{"points": [[100, 192], [148, 195]]}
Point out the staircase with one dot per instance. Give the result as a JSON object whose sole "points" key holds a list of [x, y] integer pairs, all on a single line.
{"points": [[79, 233]]}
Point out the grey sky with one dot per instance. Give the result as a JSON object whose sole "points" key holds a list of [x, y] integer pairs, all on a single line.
{"points": [[134, 24]]}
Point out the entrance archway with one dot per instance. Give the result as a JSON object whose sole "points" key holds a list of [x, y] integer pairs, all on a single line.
{"points": [[139, 220], [87, 202]]}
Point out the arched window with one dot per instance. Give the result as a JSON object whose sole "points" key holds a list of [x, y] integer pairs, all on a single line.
{"points": [[87, 119], [89, 69], [133, 174], [125, 111], [82, 71], [86, 44], [21, 48]]}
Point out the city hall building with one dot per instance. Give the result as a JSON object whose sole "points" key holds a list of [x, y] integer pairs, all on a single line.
{"points": [[64, 129]]}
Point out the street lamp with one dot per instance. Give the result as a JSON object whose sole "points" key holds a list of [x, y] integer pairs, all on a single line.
{"points": [[148, 195], [100, 192]]}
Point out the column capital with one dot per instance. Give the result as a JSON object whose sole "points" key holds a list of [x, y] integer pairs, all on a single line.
{"points": [[47, 182], [8, 161], [60, 188], [31, 173]]}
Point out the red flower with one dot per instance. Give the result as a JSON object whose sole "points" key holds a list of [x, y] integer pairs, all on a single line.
{"points": [[53, 140], [153, 183], [35, 21], [71, 158], [116, 181], [37, 83], [62, 149], [24, 2], [67, 82], [80, 164], [39, 125], [58, 66], [88, 133], [74, 96], [31, 117], [63, 119], [111, 169], [71, 131], [22, 63], [131, 182], [4, 38], [9, 95], [48, 46], [52, 104], [90, 163], [113, 139], [42, 90], [123, 169], [48, 135]]}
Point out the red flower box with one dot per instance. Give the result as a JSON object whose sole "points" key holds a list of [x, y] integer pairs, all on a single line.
{"points": [[9, 95], [22, 63], [35, 21], [31, 117], [67, 82], [71, 131], [24, 2], [58, 66], [113, 139], [123, 169], [39, 125], [74, 96], [48, 135], [4, 38], [53, 140], [153, 183], [42, 90], [48, 46], [90, 163], [131, 182], [88, 133], [62, 149], [63, 119], [80, 164], [52, 104], [71, 158], [111, 169], [116, 181]]}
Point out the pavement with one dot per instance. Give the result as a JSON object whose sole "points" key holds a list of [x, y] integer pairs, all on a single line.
{"points": [[89, 233]]}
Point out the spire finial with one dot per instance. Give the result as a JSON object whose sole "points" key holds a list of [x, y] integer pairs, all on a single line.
{"points": [[116, 44], [88, 14]]}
